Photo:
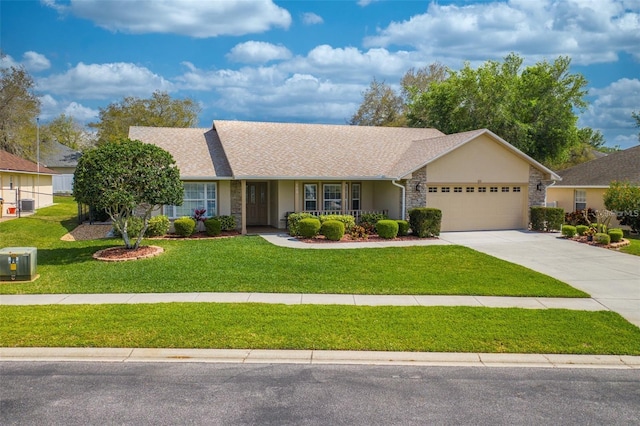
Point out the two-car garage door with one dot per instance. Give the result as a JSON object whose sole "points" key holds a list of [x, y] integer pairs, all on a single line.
{"points": [[479, 207]]}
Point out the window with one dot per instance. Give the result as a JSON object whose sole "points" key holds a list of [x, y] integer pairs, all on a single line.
{"points": [[433, 189], [580, 196], [482, 189], [355, 196], [505, 189], [457, 189], [444, 189], [310, 196], [332, 196], [516, 189], [470, 189], [196, 196], [493, 189]]}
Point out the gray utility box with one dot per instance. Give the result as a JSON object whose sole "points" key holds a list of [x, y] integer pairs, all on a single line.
{"points": [[27, 205], [18, 263]]}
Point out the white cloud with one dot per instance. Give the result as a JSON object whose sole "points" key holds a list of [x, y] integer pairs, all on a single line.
{"points": [[51, 108], [365, 3], [7, 61], [194, 18], [257, 52], [80, 112], [590, 31], [311, 18], [35, 62], [103, 81], [611, 111]]}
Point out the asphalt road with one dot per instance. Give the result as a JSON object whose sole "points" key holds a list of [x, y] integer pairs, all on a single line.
{"points": [[85, 393]]}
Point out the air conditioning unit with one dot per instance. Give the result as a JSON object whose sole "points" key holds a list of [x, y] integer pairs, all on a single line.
{"points": [[18, 263], [27, 205]]}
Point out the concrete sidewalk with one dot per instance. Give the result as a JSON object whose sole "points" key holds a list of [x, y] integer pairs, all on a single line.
{"points": [[315, 357], [583, 304]]}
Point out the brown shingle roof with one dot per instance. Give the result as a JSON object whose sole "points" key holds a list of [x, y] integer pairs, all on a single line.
{"points": [[10, 162], [620, 166], [197, 151]]}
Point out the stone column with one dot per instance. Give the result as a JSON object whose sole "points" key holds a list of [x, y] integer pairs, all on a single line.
{"points": [[416, 190]]}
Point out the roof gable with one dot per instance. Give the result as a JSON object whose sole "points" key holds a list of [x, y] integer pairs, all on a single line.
{"points": [[13, 163], [617, 166]]}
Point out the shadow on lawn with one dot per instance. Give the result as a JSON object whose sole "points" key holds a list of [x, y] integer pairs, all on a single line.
{"points": [[67, 256]]}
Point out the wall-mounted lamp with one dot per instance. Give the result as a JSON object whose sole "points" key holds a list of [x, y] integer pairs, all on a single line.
{"points": [[418, 186], [539, 186]]}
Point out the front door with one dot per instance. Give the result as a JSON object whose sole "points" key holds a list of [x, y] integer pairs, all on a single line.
{"points": [[257, 204]]}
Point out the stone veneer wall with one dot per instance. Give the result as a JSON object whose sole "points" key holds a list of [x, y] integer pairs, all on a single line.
{"points": [[236, 202], [536, 198], [415, 198]]}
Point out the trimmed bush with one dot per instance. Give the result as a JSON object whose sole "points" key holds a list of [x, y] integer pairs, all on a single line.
{"points": [[293, 219], [348, 220], [134, 226], [568, 231], [546, 218], [184, 226], [213, 226], [158, 226], [387, 228], [403, 228], [425, 222], [616, 235], [227, 223], [601, 238], [602, 228], [309, 227], [332, 229], [581, 229]]}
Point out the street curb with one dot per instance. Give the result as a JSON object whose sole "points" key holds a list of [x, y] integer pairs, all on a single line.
{"points": [[318, 357]]}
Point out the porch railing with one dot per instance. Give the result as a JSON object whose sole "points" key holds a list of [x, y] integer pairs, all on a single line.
{"points": [[355, 213]]}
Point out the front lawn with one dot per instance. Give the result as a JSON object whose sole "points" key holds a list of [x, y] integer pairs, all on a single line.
{"points": [[257, 326], [633, 247], [250, 264]]}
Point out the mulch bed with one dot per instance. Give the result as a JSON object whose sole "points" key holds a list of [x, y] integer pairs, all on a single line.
{"points": [[197, 236], [320, 239], [121, 254], [614, 246]]}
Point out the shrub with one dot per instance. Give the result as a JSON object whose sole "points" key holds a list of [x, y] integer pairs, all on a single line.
{"points": [[616, 235], [348, 220], [293, 219], [368, 221], [213, 226], [425, 221], [308, 227], [387, 228], [580, 217], [332, 229], [358, 232], [158, 226], [134, 226], [184, 226], [624, 199], [601, 228], [227, 223], [403, 228], [568, 231], [581, 229], [546, 218], [601, 238]]}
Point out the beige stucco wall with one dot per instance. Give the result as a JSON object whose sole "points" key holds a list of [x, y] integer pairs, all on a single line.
{"points": [[386, 196], [31, 186], [482, 159], [224, 198], [565, 198]]}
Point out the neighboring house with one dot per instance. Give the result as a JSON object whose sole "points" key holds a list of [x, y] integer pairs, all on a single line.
{"points": [[583, 186], [259, 172], [23, 184], [64, 160]]}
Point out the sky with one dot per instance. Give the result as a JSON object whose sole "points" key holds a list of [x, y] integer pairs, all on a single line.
{"points": [[309, 61]]}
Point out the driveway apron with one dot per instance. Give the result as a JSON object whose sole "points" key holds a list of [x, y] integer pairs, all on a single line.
{"points": [[610, 277]]}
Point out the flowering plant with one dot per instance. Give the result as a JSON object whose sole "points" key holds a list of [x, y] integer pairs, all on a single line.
{"points": [[198, 215]]}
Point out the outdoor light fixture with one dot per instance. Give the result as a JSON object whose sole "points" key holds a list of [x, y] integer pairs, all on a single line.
{"points": [[418, 186], [539, 186]]}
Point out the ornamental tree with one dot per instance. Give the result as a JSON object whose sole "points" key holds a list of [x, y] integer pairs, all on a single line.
{"points": [[624, 199], [126, 178]]}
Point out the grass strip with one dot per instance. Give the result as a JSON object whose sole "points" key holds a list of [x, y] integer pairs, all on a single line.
{"points": [[257, 326]]}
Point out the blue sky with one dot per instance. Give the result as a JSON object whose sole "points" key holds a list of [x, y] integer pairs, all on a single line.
{"points": [[309, 61]]}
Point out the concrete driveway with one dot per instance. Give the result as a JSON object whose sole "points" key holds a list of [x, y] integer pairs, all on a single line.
{"points": [[610, 277]]}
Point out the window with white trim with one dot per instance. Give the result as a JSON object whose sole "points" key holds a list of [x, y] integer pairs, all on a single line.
{"points": [[197, 195], [580, 198], [355, 196], [482, 189], [310, 196], [332, 196]]}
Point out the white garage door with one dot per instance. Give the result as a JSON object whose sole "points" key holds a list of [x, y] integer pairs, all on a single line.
{"points": [[479, 207]]}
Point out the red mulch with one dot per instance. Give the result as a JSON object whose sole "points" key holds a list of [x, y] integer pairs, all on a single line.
{"points": [[198, 236], [118, 254], [583, 239], [320, 239]]}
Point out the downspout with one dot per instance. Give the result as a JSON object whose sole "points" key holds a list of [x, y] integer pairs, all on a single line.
{"points": [[404, 193]]}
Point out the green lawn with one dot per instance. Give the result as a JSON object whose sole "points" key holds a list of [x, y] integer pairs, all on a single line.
{"points": [[634, 247], [255, 326], [250, 264]]}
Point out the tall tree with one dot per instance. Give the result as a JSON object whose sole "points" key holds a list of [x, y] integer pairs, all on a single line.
{"points": [[19, 108], [636, 116], [123, 178], [532, 108], [67, 131], [416, 81], [381, 106], [158, 111]]}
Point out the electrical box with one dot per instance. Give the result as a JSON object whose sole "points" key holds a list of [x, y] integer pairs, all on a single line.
{"points": [[27, 205], [18, 263]]}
